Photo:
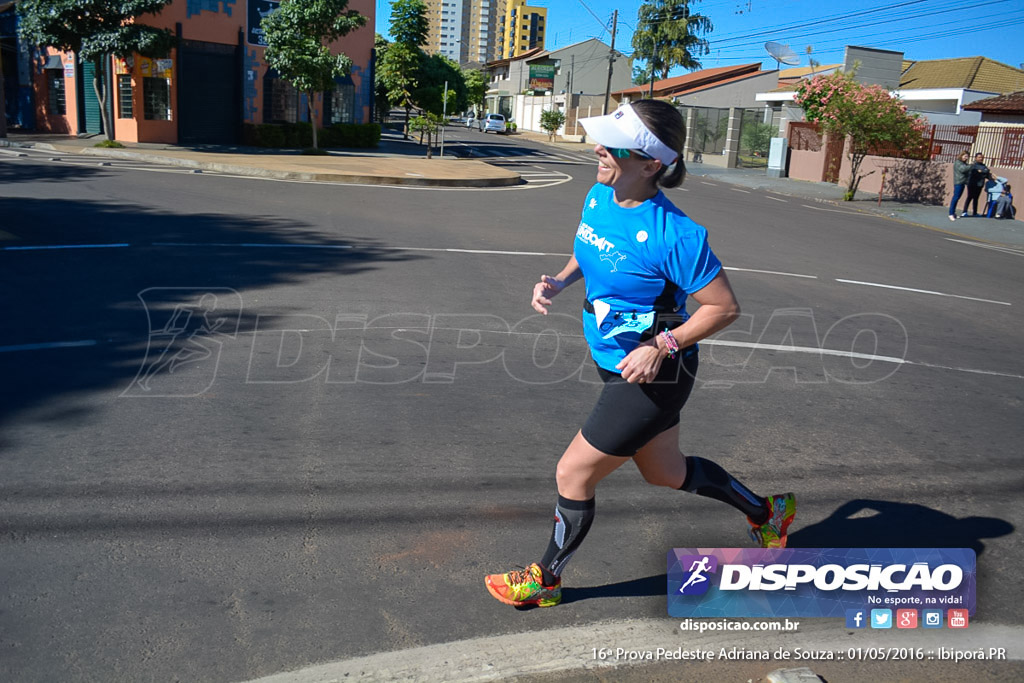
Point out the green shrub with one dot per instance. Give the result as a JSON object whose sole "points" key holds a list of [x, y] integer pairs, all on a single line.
{"points": [[109, 144]]}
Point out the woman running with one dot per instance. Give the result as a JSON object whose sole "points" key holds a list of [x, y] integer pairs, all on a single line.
{"points": [[641, 257]]}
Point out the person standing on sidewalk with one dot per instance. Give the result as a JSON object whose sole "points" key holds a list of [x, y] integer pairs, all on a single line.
{"points": [[961, 171], [976, 183], [641, 258]]}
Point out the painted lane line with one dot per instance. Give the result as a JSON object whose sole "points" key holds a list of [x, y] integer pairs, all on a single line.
{"points": [[704, 182], [68, 246], [818, 208], [776, 199], [806, 349], [50, 345], [494, 252], [924, 291], [992, 247], [736, 189], [770, 272]]}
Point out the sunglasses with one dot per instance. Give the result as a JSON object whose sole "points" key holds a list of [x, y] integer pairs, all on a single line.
{"points": [[623, 153]]}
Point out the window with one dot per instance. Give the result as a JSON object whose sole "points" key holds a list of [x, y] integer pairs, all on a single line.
{"points": [[156, 98], [341, 104], [55, 85], [280, 100], [124, 96]]}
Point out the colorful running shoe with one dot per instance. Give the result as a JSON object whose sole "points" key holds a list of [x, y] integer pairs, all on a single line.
{"points": [[524, 587], [781, 511]]}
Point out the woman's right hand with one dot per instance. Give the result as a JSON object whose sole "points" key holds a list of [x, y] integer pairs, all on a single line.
{"points": [[543, 291]]}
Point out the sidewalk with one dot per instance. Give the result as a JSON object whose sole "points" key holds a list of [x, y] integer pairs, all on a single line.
{"points": [[400, 162], [1008, 232], [394, 162]]}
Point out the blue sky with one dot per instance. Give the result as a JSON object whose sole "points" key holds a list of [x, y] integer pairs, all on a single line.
{"points": [[922, 29]]}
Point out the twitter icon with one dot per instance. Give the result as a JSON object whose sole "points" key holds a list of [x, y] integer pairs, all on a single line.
{"points": [[881, 618]]}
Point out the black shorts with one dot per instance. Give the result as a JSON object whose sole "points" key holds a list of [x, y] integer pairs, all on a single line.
{"points": [[627, 416]]}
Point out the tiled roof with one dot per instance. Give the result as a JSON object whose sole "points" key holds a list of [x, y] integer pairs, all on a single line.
{"points": [[971, 73], [801, 71], [687, 81], [1003, 104]]}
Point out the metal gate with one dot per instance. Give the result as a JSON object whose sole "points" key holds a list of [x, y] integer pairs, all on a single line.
{"points": [[91, 116], [833, 158], [209, 93]]}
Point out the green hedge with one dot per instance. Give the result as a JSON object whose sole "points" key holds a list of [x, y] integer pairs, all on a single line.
{"points": [[301, 135]]}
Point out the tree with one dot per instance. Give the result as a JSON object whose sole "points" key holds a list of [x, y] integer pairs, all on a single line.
{"points": [[296, 34], [93, 30], [551, 120], [429, 123], [434, 72], [757, 137], [476, 87], [641, 74], [868, 115], [668, 34], [397, 71], [409, 22], [398, 67]]}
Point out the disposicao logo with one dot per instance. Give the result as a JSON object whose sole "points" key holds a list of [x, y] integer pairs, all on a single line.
{"points": [[809, 582], [696, 581]]}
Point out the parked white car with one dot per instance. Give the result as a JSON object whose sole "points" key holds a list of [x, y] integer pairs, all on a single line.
{"points": [[495, 122]]}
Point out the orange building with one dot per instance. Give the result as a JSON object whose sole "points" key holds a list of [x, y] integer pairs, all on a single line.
{"points": [[212, 83]]}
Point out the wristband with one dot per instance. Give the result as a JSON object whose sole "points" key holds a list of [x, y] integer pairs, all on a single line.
{"points": [[671, 343]]}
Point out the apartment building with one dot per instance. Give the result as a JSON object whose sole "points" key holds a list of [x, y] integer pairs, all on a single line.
{"points": [[465, 31], [521, 28], [480, 31]]}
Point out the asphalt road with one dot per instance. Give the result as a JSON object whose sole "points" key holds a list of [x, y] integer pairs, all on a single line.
{"points": [[248, 426]]}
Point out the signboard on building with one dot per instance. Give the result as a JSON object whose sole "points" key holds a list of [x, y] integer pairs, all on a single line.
{"points": [[256, 11], [542, 77]]}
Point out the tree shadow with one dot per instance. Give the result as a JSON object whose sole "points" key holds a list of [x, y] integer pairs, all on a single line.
{"points": [[109, 301], [857, 524], [918, 182], [29, 170]]}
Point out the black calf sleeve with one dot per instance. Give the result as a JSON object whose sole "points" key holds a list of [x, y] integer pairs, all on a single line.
{"points": [[572, 522], [706, 478]]}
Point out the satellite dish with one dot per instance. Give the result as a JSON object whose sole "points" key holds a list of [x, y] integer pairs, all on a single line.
{"points": [[782, 53]]}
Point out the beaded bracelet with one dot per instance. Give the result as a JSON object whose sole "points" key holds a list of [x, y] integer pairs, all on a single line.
{"points": [[671, 343]]}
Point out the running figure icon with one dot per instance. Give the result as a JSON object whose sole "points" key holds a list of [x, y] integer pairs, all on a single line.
{"points": [[696, 570]]}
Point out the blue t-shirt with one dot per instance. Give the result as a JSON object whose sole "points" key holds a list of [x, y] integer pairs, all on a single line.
{"points": [[635, 261]]}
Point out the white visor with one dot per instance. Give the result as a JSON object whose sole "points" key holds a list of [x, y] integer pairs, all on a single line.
{"points": [[624, 129]]}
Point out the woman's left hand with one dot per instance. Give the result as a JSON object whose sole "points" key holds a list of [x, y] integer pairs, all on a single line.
{"points": [[642, 363]]}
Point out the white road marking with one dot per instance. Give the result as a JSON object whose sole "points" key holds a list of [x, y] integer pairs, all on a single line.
{"points": [[776, 199], [67, 246], [994, 247], [253, 245], [704, 182], [818, 208], [770, 272], [924, 291], [46, 346], [736, 189], [806, 349]]}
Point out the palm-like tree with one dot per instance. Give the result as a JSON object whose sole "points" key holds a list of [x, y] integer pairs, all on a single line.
{"points": [[669, 34]]}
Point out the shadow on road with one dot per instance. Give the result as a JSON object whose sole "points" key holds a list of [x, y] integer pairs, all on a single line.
{"points": [[166, 299], [856, 524]]}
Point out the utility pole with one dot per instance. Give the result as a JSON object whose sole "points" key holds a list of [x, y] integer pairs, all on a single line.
{"points": [[611, 61], [444, 115]]}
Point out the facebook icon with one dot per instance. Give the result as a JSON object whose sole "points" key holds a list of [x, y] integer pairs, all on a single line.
{"points": [[856, 618]]}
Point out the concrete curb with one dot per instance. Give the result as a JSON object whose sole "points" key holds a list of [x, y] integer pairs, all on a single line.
{"points": [[573, 649], [508, 180]]}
